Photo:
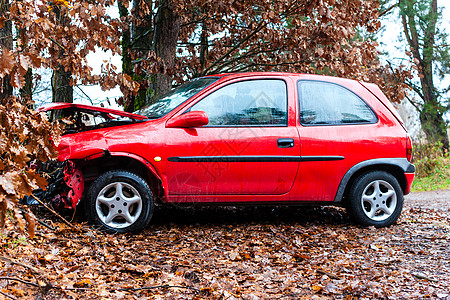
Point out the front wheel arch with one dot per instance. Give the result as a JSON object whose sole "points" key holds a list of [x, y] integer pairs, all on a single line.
{"points": [[93, 168]]}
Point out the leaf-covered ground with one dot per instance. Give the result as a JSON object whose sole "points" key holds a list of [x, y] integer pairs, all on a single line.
{"points": [[238, 253]]}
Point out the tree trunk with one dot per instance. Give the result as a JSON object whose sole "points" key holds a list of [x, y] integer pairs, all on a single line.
{"points": [[167, 28], [433, 125], [6, 41], [127, 67], [62, 89], [141, 29], [204, 47], [432, 112], [136, 43], [27, 90], [141, 44]]}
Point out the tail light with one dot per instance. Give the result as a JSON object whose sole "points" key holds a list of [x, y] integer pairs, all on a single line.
{"points": [[409, 149]]}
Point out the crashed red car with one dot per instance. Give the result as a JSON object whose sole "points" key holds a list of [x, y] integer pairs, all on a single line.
{"points": [[252, 138]]}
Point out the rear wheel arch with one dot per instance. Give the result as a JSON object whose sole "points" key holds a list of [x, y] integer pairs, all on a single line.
{"points": [[396, 167], [376, 199]]}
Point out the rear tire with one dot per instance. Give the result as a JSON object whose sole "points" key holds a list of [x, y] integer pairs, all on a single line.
{"points": [[119, 201], [375, 199]]}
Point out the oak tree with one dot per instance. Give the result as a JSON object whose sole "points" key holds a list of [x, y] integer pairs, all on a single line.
{"points": [[43, 40], [426, 45], [236, 36], [6, 44], [430, 55]]}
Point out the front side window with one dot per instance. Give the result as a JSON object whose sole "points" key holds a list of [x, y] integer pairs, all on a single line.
{"points": [[247, 103], [323, 103]]}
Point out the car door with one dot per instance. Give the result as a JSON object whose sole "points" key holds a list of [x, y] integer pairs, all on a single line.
{"points": [[248, 147]]}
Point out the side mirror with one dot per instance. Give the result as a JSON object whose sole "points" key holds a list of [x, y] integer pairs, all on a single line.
{"points": [[189, 120]]}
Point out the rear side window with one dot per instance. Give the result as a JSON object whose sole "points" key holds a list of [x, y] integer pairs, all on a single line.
{"points": [[247, 103], [323, 103]]}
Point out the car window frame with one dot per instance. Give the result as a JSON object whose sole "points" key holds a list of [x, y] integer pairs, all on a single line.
{"points": [[298, 92], [244, 126]]}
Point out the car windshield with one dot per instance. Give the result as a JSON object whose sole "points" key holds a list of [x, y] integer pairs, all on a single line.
{"points": [[175, 97]]}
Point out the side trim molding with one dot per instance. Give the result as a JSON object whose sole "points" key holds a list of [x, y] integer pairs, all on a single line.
{"points": [[253, 158], [401, 163]]}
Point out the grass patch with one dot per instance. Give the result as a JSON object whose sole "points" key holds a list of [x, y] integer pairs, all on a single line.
{"points": [[432, 168]]}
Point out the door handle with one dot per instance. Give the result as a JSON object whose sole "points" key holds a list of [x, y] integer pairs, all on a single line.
{"points": [[285, 143]]}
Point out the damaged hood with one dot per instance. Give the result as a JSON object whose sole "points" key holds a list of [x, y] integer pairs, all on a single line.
{"points": [[58, 106]]}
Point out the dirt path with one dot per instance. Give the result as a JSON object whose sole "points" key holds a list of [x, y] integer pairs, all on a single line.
{"points": [[437, 200]]}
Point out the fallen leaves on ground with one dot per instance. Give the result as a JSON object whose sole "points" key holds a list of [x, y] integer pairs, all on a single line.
{"points": [[234, 253]]}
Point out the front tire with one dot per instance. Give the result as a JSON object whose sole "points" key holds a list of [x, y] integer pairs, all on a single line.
{"points": [[119, 201], [376, 199]]}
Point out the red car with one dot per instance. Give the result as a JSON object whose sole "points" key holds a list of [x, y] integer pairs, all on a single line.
{"points": [[259, 138]]}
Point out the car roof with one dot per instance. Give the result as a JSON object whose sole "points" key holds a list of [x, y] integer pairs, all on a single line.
{"points": [[230, 76], [251, 74]]}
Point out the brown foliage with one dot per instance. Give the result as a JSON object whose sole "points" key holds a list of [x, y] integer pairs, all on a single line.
{"points": [[318, 36], [56, 35], [25, 135], [283, 35], [315, 36], [238, 253], [45, 40]]}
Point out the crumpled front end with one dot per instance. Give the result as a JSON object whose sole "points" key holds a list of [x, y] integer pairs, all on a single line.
{"points": [[65, 185]]}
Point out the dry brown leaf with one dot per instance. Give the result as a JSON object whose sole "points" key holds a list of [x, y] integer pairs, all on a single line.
{"points": [[8, 182], [7, 62], [31, 223]]}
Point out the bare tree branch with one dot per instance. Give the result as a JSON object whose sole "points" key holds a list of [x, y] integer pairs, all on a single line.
{"points": [[413, 103], [58, 44], [12, 261], [20, 280], [415, 88], [257, 29], [195, 21], [161, 287], [8, 296], [86, 95], [244, 68], [54, 212], [250, 53], [136, 39], [388, 10]]}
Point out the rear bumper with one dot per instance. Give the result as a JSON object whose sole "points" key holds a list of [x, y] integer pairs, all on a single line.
{"points": [[409, 181]]}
